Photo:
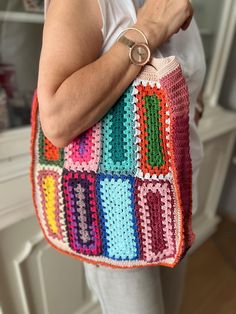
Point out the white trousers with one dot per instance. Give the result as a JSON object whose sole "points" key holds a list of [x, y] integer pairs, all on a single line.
{"points": [[148, 290]]}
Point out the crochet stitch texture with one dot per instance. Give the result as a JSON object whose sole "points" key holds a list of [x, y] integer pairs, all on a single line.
{"points": [[120, 194]]}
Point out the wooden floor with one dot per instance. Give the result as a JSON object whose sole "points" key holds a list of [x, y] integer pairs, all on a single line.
{"points": [[211, 274]]}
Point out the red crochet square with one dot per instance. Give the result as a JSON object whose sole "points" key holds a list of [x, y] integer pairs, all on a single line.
{"points": [[153, 125]]}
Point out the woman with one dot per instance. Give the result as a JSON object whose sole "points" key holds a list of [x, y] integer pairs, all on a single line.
{"points": [[86, 70]]}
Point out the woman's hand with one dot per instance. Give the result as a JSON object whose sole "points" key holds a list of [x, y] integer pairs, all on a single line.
{"points": [[160, 19]]}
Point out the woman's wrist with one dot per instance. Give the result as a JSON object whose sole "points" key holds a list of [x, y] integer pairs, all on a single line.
{"points": [[154, 39]]}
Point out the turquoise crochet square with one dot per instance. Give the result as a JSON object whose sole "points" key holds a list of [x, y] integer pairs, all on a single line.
{"points": [[117, 216], [118, 140]]}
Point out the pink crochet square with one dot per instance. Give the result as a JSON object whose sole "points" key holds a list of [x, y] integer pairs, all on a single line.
{"points": [[84, 151], [154, 211]]}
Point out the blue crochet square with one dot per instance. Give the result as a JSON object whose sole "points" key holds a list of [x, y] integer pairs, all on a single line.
{"points": [[117, 216]]}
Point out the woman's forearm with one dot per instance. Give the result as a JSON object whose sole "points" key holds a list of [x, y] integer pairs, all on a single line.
{"points": [[88, 94]]}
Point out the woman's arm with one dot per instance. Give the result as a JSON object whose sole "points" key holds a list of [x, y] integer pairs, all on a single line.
{"points": [[77, 86]]}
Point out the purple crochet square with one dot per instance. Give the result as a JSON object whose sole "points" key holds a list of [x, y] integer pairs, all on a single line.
{"points": [[81, 212]]}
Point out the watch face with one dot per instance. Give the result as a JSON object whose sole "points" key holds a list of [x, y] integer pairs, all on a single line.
{"points": [[140, 54]]}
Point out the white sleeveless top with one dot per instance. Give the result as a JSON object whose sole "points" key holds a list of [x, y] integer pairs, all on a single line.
{"points": [[185, 45]]}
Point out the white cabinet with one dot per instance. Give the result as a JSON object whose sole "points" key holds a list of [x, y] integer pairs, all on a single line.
{"points": [[218, 131], [36, 279]]}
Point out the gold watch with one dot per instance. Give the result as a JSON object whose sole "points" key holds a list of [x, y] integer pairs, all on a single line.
{"points": [[139, 53]]}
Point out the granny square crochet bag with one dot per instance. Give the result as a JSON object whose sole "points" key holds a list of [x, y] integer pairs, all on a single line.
{"points": [[120, 194]]}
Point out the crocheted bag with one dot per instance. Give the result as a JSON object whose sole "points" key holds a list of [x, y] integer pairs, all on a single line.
{"points": [[120, 194]]}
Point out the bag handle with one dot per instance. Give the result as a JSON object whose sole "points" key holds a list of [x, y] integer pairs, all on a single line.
{"points": [[163, 64]]}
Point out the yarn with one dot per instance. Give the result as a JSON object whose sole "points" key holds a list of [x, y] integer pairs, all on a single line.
{"points": [[120, 193]]}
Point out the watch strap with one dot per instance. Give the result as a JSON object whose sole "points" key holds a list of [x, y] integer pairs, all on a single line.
{"points": [[126, 41]]}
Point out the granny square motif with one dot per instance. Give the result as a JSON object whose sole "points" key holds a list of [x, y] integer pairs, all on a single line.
{"points": [[120, 194]]}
